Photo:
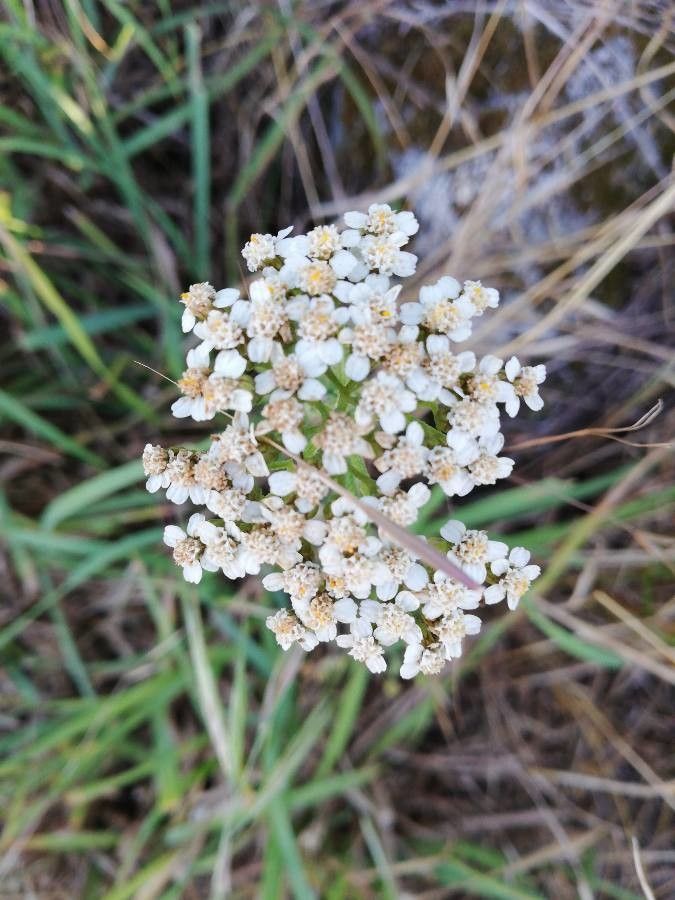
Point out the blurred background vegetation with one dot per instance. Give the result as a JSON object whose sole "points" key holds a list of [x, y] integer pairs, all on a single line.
{"points": [[154, 741]]}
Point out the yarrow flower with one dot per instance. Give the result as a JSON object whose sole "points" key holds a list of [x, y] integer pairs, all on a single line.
{"points": [[343, 413]]}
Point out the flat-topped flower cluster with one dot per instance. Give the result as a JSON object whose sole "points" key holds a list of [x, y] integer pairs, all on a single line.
{"points": [[337, 400]]}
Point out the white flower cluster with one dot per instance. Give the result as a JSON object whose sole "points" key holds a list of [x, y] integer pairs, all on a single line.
{"points": [[327, 381]]}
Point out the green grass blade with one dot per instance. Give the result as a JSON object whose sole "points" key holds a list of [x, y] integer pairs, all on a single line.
{"points": [[18, 412], [81, 496]]}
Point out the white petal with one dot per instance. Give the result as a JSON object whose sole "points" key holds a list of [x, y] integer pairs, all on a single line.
{"points": [[230, 364], [187, 321], [534, 401], [294, 441], [411, 313], [273, 582], [173, 535], [264, 382], [355, 219], [260, 349], [419, 494], [334, 463], [311, 390], [453, 531], [282, 483], [193, 573], [388, 481], [226, 297], [343, 263], [449, 286], [315, 532], [357, 367], [496, 550], [494, 594], [437, 344], [392, 422], [416, 577], [331, 351], [345, 610], [490, 365], [182, 407], [472, 624], [407, 223], [512, 368], [405, 264], [519, 556]]}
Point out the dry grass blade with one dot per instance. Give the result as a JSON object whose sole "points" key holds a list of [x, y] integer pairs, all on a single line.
{"points": [[639, 869], [596, 635], [609, 433]]}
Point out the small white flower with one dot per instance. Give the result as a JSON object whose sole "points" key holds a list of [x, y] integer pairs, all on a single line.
{"points": [[526, 381], [262, 248], [472, 549], [318, 321], [445, 595], [222, 550], [403, 570], [408, 458], [428, 660], [341, 437], [301, 582], [452, 629], [383, 253], [441, 369], [488, 467], [441, 310], [474, 418], [198, 300], [446, 466], [323, 241], [321, 614], [155, 461], [287, 374], [288, 630], [263, 319], [360, 572], [515, 577], [370, 339], [290, 525], [237, 446], [485, 385], [393, 620], [381, 219], [187, 548], [218, 331], [284, 415], [402, 507], [481, 297], [261, 546], [375, 295], [386, 398], [304, 482], [362, 646]]}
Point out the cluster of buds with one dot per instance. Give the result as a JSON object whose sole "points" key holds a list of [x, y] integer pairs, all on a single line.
{"points": [[343, 408]]}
